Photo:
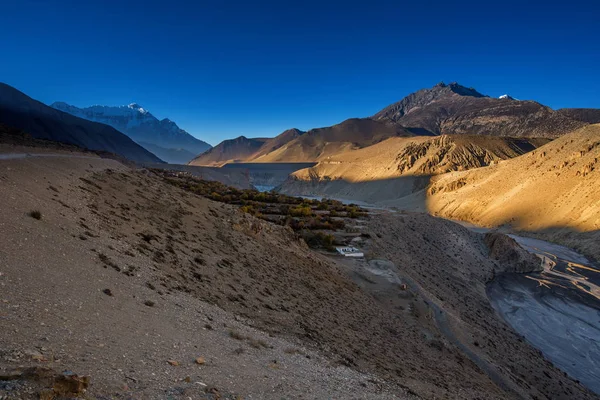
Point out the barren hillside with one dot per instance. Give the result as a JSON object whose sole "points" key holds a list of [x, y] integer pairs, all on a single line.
{"points": [[455, 109], [589, 115], [294, 145], [555, 188], [153, 292], [398, 167], [238, 149]]}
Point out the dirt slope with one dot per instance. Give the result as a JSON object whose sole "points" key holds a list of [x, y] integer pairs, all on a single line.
{"points": [[443, 263], [555, 189], [589, 115], [188, 277], [172, 263]]}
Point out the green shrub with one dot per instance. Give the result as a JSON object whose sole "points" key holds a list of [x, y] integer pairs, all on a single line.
{"points": [[318, 239]]}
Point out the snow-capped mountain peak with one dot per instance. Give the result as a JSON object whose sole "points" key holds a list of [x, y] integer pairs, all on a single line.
{"points": [[138, 108], [506, 97], [140, 125]]}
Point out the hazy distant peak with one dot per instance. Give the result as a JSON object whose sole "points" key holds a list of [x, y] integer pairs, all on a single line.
{"points": [[140, 125]]}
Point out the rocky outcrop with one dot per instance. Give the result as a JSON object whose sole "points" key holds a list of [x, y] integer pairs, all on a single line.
{"points": [[509, 255], [457, 153]]}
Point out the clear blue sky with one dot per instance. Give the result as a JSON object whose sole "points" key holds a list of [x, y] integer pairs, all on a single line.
{"points": [[221, 69]]}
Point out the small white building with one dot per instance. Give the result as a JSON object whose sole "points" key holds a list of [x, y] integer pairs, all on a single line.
{"points": [[350, 251]]}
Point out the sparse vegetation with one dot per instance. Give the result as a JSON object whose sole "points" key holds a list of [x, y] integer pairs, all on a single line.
{"points": [[258, 343], [314, 220], [236, 335], [318, 239], [108, 262], [35, 214]]}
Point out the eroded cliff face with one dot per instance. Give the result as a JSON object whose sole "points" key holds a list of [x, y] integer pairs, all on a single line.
{"points": [[457, 153]]}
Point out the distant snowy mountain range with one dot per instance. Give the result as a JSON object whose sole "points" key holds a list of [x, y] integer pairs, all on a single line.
{"points": [[162, 137]]}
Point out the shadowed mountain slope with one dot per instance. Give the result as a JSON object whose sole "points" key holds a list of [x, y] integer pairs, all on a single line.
{"points": [[174, 143], [21, 111], [556, 186], [232, 150], [373, 173], [170, 155]]}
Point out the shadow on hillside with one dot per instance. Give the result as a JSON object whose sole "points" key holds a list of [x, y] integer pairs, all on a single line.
{"points": [[586, 243], [232, 177], [410, 193], [404, 192]]}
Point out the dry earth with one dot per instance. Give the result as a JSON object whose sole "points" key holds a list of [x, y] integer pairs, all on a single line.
{"points": [[128, 280], [399, 167], [553, 191], [451, 273]]}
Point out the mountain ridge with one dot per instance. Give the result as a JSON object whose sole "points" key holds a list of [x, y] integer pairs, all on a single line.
{"points": [[294, 145], [20, 111], [444, 109], [455, 109], [143, 127]]}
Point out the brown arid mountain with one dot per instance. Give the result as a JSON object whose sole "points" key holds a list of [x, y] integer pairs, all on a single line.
{"points": [[148, 291], [244, 149], [17, 110], [455, 109], [278, 141], [318, 144], [232, 150], [554, 190], [294, 145], [398, 167], [441, 110]]}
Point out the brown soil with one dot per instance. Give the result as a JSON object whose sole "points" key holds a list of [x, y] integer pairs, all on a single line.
{"points": [[128, 280]]}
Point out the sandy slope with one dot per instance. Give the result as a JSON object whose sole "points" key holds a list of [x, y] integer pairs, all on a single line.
{"points": [[53, 273], [554, 189], [398, 167]]}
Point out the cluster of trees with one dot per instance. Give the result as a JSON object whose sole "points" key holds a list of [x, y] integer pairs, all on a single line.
{"points": [[305, 216]]}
